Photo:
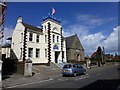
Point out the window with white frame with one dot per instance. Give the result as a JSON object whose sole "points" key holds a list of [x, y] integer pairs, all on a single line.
{"points": [[30, 52], [57, 39], [21, 37], [37, 53], [30, 36], [45, 53], [45, 38], [53, 38], [45, 27], [37, 38], [63, 54]]}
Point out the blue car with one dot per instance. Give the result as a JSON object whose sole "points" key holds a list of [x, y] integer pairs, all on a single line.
{"points": [[73, 69]]}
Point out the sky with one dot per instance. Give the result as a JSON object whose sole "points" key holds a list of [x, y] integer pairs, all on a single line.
{"points": [[94, 23], [63, 0]]}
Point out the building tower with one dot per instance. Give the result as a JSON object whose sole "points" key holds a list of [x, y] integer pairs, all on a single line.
{"points": [[53, 30]]}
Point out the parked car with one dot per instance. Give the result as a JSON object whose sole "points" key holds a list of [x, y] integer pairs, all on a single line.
{"points": [[73, 69]]}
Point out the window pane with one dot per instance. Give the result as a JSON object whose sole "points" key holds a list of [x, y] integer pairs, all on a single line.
{"points": [[57, 38], [63, 54], [53, 38], [37, 38], [37, 53], [21, 37], [45, 28], [30, 36], [30, 52], [45, 38], [45, 52]]}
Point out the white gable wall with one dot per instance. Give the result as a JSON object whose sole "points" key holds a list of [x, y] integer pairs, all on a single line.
{"points": [[17, 41]]}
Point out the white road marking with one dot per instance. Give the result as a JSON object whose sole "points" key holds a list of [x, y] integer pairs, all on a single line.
{"points": [[98, 74], [30, 83], [83, 77], [74, 78], [87, 74]]}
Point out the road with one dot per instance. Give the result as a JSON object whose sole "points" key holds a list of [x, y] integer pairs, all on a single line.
{"points": [[99, 77]]}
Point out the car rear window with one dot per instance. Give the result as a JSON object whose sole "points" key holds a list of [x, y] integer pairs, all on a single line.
{"points": [[67, 66]]}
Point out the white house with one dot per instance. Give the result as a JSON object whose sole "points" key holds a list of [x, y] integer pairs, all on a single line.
{"points": [[41, 45]]}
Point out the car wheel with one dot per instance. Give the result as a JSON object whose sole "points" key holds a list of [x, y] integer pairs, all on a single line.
{"points": [[74, 74], [63, 75], [84, 72]]}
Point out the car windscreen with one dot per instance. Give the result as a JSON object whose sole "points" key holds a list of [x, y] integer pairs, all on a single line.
{"points": [[67, 66]]}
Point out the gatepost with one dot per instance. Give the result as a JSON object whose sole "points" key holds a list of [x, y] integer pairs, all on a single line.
{"points": [[28, 67], [88, 63]]}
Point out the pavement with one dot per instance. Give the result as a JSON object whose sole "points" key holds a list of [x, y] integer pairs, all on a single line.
{"points": [[42, 73], [48, 75]]}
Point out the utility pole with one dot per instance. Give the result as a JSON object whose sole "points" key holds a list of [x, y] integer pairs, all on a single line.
{"points": [[104, 55], [3, 8], [101, 56], [2, 21]]}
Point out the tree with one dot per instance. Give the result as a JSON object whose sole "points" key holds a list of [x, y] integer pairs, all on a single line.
{"points": [[98, 55], [116, 55]]}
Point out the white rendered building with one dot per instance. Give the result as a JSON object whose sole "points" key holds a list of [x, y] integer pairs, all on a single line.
{"points": [[41, 45]]}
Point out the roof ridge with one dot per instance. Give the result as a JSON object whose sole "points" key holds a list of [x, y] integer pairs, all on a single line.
{"points": [[30, 25], [71, 36]]}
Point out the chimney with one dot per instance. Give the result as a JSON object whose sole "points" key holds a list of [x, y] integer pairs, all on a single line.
{"points": [[19, 19]]}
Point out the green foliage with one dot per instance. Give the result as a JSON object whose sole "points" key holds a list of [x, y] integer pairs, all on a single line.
{"points": [[113, 60]]}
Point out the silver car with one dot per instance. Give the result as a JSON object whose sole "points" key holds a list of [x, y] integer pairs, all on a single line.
{"points": [[73, 69]]}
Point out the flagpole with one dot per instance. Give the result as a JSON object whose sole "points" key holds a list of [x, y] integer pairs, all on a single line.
{"points": [[53, 11], [52, 16]]}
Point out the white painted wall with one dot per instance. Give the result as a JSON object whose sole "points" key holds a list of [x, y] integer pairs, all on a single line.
{"points": [[16, 39], [6, 51], [42, 45], [35, 45]]}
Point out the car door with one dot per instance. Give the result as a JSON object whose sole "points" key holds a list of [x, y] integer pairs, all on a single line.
{"points": [[75, 68], [80, 69]]}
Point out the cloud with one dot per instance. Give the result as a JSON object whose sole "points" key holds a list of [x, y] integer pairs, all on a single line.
{"points": [[92, 21], [64, 22], [111, 42], [65, 34], [91, 41], [7, 33]]}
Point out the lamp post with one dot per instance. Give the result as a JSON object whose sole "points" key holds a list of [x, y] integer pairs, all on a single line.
{"points": [[101, 56]]}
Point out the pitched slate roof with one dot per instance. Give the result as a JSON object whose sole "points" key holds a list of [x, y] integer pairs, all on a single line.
{"points": [[94, 54], [33, 28], [74, 42]]}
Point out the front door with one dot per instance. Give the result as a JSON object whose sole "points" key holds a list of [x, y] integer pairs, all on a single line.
{"points": [[56, 56]]}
